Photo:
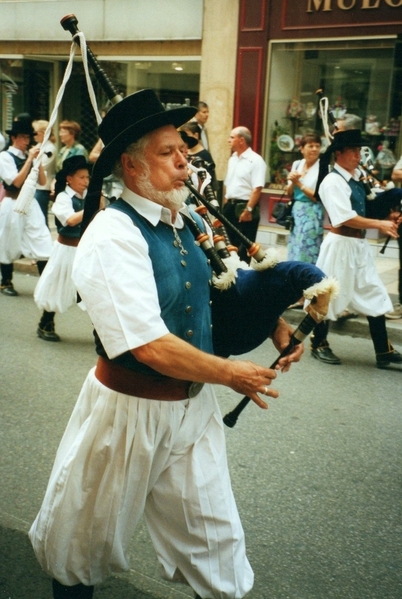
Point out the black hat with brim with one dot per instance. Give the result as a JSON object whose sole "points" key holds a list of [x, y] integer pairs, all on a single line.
{"points": [[352, 138], [22, 127], [190, 141], [129, 120], [70, 166]]}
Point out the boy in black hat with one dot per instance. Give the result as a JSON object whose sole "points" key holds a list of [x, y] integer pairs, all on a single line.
{"points": [[146, 436], [55, 291], [346, 255], [20, 234]]}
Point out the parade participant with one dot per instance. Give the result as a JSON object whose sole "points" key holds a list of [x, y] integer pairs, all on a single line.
{"points": [[346, 255], [55, 291], [146, 435], [26, 234], [244, 181]]}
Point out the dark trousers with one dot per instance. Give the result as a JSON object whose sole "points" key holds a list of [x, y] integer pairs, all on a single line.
{"points": [[378, 333], [43, 198], [6, 273], [78, 591], [249, 229]]}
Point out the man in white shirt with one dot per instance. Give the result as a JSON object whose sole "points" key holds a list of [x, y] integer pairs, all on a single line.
{"points": [[346, 255], [244, 182], [146, 435], [20, 234]]}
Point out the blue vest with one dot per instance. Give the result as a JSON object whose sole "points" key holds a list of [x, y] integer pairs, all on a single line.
{"points": [[67, 231], [182, 283], [358, 196]]}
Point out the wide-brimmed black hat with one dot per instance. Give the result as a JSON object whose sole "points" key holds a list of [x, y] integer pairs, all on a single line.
{"points": [[190, 141], [352, 138], [22, 127], [70, 166], [129, 120]]}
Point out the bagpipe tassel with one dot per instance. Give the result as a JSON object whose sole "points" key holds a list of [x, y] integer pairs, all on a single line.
{"points": [[27, 192], [320, 294]]}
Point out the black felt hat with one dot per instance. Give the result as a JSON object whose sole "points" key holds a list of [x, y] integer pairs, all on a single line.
{"points": [[129, 120], [22, 127], [352, 138], [70, 166], [190, 141]]}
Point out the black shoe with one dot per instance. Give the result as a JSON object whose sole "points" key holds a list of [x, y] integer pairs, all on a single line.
{"points": [[8, 290], [325, 354], [391, 357], [48, 333], [78, 591]]}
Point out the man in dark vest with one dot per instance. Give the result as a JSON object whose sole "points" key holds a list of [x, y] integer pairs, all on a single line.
{"points": [[26, 234], [346, 255], [146, 436]]}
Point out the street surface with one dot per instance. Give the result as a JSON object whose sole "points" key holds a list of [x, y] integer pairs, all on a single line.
{"points": [[317, 477]]}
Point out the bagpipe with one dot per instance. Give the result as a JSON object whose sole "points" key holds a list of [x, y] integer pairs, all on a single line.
{"points": [[246, 300], [382, 197]]}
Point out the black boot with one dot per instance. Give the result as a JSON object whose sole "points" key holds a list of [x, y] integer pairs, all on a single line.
{"points": [[6, 286], [319, 345], [46, 327], [78, 591], [385, 354]]}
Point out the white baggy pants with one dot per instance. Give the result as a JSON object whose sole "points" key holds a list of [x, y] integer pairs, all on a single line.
{"points": [[122, 457]]}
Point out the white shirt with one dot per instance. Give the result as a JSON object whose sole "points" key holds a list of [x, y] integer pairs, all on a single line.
{"points": [[335, 195], [113, 274], [245, 173], [8, 168], [63, 205]]}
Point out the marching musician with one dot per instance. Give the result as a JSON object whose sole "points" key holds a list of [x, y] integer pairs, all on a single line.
{"points": [[146, 435], [397, 311], [346, 255], [244, 182], [20, 234]]}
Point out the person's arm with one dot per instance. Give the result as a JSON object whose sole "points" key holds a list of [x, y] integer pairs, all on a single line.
{"points": [[397, 175], [24, 172], [253, 200], [386, 227], [176, 358]]}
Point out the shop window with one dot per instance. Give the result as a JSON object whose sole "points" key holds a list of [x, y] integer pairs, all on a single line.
{"points": [[357, 77]]}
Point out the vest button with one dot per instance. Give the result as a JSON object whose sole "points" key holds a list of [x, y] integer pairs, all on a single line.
{"points": [[183, 262], [189, 333], [188, 309], [187, 285]]}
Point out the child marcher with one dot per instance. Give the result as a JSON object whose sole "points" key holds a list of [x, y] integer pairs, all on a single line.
{"points": [[55, 291]]}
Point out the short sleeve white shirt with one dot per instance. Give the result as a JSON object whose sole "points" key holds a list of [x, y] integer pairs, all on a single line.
{"points": [[335, 195], [113, 274], [245, 173]]}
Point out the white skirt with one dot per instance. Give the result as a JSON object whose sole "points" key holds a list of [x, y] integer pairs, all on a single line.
{"points": [[122, 457], [55, 290], [23, 234], [351, 262]]}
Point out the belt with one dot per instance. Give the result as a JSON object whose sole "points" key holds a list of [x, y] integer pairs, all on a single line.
{"points": [[11, 193], [160, 387], [71, 241], [349, 232], [236, 201]]}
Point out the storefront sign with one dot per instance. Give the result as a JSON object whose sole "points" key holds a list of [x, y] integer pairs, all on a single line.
{"points": [[327, 5], [359, 15]]}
